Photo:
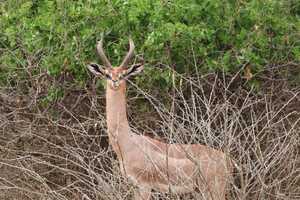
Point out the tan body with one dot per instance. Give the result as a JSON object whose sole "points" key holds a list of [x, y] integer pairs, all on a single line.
{"points": [[151, 164]]}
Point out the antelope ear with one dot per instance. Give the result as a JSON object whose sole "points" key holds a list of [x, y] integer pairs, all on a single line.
{"points": [[96, 69], [134, 69]]}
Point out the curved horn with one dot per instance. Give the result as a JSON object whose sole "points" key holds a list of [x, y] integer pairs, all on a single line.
{"points": [[102, 54], [129, 54]]}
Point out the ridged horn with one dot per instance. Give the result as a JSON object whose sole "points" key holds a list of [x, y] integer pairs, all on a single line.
{"points": [[102, 54], [129, 55]]}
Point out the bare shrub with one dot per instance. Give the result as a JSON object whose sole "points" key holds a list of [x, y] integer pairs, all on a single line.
{"points": [[60, 151]]}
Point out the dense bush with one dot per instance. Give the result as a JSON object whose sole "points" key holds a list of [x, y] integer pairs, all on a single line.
{"points": [[53, 138], [60, 36]]}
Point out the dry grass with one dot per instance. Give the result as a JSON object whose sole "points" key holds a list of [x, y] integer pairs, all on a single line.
{"points": [[60, 151]]}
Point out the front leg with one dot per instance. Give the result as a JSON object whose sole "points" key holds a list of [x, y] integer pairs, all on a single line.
{"points": [[142, 194]]}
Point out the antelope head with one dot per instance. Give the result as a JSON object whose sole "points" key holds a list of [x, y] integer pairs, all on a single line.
{"points": [[115, 75]]}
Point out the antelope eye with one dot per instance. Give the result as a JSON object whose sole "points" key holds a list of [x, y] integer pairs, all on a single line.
{"points": [[108, 76], [121, 76]]}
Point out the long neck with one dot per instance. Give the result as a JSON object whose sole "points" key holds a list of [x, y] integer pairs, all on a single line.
{"points": [[117, 123]]}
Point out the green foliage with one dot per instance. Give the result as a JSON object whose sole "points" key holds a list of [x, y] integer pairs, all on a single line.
{"points": [[54, 94], [208, 34]]}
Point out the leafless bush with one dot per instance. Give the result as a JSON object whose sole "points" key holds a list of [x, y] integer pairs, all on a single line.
{"points": [[61, 151]]}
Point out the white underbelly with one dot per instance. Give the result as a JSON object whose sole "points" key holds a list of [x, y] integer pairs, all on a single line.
{"points": [[178, 189]]}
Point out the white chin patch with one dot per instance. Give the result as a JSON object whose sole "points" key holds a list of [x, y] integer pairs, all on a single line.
{"points": [[115, 85]]}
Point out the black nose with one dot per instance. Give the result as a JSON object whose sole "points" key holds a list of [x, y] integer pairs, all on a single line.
{"points": [[115, 81]]}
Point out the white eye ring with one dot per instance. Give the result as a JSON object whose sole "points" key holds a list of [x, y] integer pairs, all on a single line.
{"points": [[120, 76]]}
